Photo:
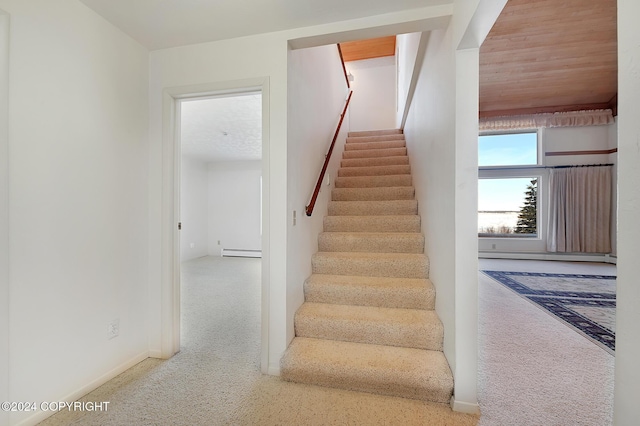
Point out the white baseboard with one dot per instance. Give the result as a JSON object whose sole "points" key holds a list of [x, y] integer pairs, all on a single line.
{"points": [[155, 354], [274, 369], [569, 257], [74, 396], [225, 252], [464, 407]]}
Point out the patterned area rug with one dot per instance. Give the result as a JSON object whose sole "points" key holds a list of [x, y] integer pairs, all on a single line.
{"points": [[587, 303]]}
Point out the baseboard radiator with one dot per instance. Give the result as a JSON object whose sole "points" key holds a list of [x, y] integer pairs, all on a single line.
{"points": [[241, 253]]}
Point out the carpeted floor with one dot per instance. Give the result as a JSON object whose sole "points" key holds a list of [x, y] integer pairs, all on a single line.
{"points": [[585, 302], [533, 370]]}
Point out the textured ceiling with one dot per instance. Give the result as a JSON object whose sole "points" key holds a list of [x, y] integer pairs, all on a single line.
{"points": [[159, 24], [222, 128]]}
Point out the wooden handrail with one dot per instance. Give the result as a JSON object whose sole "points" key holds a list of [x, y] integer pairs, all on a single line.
{"points": [[344, 69], [316, 191]]}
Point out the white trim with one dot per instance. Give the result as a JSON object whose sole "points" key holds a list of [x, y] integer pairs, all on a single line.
{"points": [[415, 75], [170, 283], [155, 354], [569, 257], [84, 390], [274, 369], [226, 252], [464, 407]]}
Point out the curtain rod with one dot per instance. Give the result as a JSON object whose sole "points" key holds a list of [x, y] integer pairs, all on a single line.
{"points": [[579, 165], [481, 168]]}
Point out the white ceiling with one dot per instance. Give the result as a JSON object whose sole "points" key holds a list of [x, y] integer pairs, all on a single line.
{"points": [[222, 128], [159, 24]]}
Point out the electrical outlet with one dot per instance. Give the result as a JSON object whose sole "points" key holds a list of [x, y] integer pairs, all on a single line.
{"points": [[192, 245], [218, 242], [294, 218], [493, 246], [113, 328]]}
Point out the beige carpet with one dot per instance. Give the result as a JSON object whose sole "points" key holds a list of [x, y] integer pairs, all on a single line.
{"points": [[215, 379], [533, 370], [360, 327]]}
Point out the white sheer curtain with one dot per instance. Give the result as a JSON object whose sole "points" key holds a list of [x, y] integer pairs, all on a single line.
{"points": [[580, 210]]}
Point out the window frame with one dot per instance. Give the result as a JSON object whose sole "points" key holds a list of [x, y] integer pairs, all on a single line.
{"points": [[539, 155], [518, 171]]}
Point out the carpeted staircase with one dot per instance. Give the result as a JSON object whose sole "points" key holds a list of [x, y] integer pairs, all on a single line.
{"points": [[368, 322]]}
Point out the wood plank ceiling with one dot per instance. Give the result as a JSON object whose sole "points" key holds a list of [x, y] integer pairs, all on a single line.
{"points": [[550, 56], [368, 49]]}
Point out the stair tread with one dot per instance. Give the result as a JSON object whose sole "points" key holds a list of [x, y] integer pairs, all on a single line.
{"points": [[369, 313], [375, 144], [373, 181], [372, 223], [366, 255], [411, 328], [380, 242], [380, 152], [375, 161], [375, 132], [406, 265], [405, 372], [379, 193], [373, 208], [377, 282], [397, 169]]}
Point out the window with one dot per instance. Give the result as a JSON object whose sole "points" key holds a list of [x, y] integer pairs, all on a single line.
{"points": [[508, 185], [511, 149], [507, 207]]}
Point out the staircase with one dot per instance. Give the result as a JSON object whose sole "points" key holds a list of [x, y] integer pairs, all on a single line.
{"points": [[368, 322]]}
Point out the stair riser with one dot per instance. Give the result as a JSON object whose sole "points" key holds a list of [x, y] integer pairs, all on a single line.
{"points": [[373, 208], [352, 242], [368, 133], [329, 377], [378, 161], [370, 153], [408, 223], [405, 374], [373, 194], [374, 145], [374, 171], [393, 267], [373, 181], [363, 295], [419, 335]]}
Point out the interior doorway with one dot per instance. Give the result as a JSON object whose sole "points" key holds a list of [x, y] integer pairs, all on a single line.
{"points": [[211, 165], [220, 162]]}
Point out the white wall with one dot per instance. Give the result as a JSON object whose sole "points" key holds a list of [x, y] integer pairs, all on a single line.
{"points": [[228, 62], [430, 135], [627, 374], [441, 131], [557, 139], [406, 53], [373, 106], [78, 151], [194, 193], [4, 213], [317, 92], [233, 206]]}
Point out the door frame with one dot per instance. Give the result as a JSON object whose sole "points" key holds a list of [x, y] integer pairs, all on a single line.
{"points": [[170, 252]]}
